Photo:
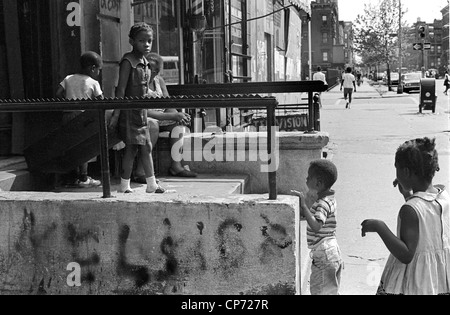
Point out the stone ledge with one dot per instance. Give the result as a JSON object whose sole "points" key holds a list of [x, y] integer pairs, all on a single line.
{"points": [[133, 245]]}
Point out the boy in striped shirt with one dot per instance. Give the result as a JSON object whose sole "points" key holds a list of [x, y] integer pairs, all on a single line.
{"points": [[327, 263]]}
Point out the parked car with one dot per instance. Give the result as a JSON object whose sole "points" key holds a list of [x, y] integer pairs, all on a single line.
{"points": [[411, 82], [380, 76], [395, 76]]}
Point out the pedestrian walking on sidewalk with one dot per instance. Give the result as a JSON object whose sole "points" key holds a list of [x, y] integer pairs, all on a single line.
{"points": [[320, 76], [348, 84], [446, 82], [327, 264], [420, 254]]}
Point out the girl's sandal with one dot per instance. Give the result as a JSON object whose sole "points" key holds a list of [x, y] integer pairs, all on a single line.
{"points": [[158, 190], [128, 191]]}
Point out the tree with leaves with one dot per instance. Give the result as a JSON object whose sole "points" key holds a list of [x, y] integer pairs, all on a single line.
{"points": [[376, 33]]}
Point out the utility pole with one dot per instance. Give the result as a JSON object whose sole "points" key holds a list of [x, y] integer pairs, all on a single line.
{"points": [[422, 34], [400, 58], [310, 45]]}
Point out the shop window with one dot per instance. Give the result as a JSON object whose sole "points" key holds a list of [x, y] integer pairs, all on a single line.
{"points": [[162, 16]]}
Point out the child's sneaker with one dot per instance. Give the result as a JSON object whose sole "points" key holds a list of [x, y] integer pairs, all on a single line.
{"points": [[89, 183]]}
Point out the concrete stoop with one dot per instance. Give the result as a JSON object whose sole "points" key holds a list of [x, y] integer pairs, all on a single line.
{"points": [[14, 175], [210, 185], [80, 244]]}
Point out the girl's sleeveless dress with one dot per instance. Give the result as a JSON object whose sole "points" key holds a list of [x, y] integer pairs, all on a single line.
{"points": [[133, 126], [429, 272]]}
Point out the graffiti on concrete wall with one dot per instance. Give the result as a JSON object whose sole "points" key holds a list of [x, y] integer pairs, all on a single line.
{"points": [[36, 246]]}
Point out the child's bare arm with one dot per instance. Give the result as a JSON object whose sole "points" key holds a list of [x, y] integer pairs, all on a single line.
{"points": [[164, 87], [313, 223], [403, 248], [124, 74], [60, 92], [172, 115]]}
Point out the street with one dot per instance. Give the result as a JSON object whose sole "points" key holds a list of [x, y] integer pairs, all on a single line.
{"points": [[363, 143]]}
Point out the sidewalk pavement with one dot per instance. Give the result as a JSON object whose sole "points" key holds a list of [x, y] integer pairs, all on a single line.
{"points": [[363, 142]]}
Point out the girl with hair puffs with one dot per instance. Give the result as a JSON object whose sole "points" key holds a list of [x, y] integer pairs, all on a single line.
{"points": [[420, 255]]}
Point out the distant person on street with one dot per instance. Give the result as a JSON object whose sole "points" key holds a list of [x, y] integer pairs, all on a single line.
{"points": [[446, 82], [320, 76], [348, 84], [327, 264], [419, 263], [82, 86]]}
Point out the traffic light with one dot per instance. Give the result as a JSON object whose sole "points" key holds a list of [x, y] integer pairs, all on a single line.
{"points": [[422, 31]]}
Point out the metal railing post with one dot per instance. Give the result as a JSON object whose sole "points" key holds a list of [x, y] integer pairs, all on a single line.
{"points": [[271, 134], [311, 112], [316, 112], [104, 155]]}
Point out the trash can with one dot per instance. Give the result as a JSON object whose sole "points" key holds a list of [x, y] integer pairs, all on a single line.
{"points": [[428, 95]]}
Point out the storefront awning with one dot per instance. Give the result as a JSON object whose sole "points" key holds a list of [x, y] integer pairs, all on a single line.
{"points": [[304, 5]]}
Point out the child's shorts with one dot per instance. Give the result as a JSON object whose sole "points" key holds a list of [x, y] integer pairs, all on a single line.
{"points": [[347, 93], [326, 269]]}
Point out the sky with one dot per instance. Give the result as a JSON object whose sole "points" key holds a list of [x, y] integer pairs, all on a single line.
{"points": [[427, 10]]}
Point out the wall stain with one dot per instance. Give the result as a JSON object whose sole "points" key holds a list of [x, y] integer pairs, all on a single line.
{"points": [[200, 227], [30, 247], [276, 239], [168, 249], [139, 274], [231, 248], [76, 237]]}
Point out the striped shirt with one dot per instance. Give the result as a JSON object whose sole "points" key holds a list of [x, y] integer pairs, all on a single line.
{"points": [[324, 210]]}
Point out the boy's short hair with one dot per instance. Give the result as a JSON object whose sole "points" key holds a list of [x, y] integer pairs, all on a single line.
{"points": [[89, 59], [349, 70], [326, 171]]}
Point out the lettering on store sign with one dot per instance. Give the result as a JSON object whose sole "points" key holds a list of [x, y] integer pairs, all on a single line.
{"points": [[110, 5], [286, 123]]}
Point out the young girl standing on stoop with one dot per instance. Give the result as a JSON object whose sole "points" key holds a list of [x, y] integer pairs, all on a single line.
{"points": [[134, 77]]}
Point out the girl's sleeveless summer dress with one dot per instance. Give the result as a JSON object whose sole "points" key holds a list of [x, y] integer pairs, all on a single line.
{"points": [[429, 272], [133, 126]]}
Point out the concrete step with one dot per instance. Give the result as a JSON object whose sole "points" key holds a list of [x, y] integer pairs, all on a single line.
{"points": [[12, 163], [205, 185], [14, 175]]}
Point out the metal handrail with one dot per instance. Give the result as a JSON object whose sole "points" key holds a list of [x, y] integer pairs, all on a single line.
{"points": [[261, 88], [187, 102]]}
